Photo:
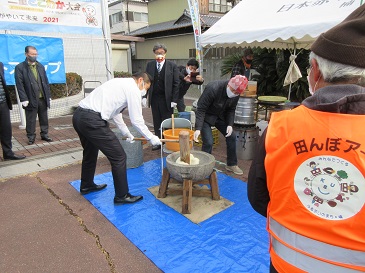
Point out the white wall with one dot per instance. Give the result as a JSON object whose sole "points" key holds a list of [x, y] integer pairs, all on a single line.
{"points": [[121, 58]]}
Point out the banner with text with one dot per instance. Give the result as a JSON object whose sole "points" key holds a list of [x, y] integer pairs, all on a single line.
{"points": [[82, 16], [195, 20], [50, 54]]}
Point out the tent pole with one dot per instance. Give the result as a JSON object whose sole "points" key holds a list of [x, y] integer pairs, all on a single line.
{"points": [[289, 91], [201, 87], [295, 53]]}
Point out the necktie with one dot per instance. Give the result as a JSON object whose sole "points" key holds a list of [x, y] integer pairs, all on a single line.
{"points": [[158, 67]]}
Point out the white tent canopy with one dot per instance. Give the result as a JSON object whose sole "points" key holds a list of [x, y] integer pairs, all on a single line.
{"points": [[277, 23]]}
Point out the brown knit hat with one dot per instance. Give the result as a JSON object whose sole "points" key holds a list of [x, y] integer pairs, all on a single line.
{"points": [[345, 42], [247, 52]]}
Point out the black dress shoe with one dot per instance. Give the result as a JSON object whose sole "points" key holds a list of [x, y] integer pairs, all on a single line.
{"points": [[94, 188], [14, 157], [127, 199], [46, 138], [30, 141], [156, 147]]}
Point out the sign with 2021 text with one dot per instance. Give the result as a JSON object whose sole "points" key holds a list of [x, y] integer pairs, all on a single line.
{"points": [[81, 16]]}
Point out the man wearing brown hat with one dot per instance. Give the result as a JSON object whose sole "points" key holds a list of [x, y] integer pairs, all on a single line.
{"points": [[307, 154], [243, 66], [216, 107]]}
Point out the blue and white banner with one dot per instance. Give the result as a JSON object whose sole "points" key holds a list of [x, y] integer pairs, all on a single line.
{"points": [[195, 19], [50, 54], [81, 16]]}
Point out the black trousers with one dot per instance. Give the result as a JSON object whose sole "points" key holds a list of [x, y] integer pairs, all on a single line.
{"points": [[31, 118], [95, 134], [181, 105], [5, 129], [160, 112], [208, 141], [272, 268]]}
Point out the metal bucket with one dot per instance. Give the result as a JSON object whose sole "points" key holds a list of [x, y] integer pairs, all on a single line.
{"points": [[245, 111], [134, 151], [261, 125], [246, 141]]}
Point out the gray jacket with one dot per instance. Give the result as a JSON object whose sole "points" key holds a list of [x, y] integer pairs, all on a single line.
{"points": [[214, 103]]}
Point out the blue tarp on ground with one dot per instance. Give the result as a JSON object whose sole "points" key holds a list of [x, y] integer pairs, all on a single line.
{"points": [[234, 240]]}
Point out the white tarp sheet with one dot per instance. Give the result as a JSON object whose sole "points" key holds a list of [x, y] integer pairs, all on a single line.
{"points": [[277, 23]]}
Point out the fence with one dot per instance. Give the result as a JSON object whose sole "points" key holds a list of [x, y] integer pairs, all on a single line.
{"points": [[59, 107]]}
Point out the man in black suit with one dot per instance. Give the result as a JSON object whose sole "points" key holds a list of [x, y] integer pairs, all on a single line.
{"points": [[164, 92], [34, 93], [5, 123]]}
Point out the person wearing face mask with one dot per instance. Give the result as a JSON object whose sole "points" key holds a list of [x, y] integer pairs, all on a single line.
{"points": [[164, 92], [91, 122], [243, 66], [5, 122], [34, 94], [216, 107], [315, 216], [186, 80]]}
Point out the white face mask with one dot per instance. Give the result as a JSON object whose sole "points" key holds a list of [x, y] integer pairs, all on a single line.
{"points": [[143, 91], [188, 70], [160, 57], [310, 87], [311, 91], [230, 94]]}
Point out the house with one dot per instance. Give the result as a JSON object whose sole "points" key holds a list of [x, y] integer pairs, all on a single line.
{"points": [[124, 17], [122, 51], [127, 15], [170, 24]]}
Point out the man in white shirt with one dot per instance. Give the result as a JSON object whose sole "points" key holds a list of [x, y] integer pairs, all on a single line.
{"points": [[90, 121]]}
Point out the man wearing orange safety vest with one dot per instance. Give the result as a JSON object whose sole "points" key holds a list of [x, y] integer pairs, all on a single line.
{"points": [[308, 176]]}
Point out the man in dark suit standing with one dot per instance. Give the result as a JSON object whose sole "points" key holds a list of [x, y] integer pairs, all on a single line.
{"points": [[34, 93], [5, 123], [164, 92]]}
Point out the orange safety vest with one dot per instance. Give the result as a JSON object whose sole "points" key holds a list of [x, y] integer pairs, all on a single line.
{"points": [[315, 166]]}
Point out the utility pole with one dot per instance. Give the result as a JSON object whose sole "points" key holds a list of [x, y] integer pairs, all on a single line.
{"points": [[106, 36]]}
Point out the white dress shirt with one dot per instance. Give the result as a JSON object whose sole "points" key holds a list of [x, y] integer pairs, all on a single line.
{"points": [[110, 98], [162, 64]]}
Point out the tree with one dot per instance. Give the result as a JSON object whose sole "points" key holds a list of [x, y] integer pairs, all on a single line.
{"points": [[272, 66]]}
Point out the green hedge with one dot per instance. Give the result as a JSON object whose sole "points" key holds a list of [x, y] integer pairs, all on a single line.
{"points": [[122, 74], [72, 87]]}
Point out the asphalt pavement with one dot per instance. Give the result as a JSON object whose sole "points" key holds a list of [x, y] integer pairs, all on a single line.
{"points": [[47, 226]]}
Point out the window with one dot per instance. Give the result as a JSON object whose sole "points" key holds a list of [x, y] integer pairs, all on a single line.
{"points": [[129, 15], [115, 18], [137, 16], [141, 17], [221, 6], [192, 53]]}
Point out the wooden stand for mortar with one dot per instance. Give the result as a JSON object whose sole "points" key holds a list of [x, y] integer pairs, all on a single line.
{"points": [[187, 191]]}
